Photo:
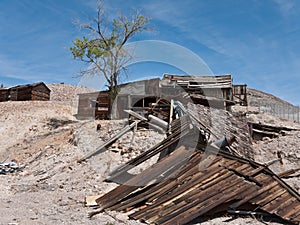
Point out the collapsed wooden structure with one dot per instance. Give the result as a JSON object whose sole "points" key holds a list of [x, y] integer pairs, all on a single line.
{"points": [[197, 179], [38, 91], [225, 183], [259, 131]]}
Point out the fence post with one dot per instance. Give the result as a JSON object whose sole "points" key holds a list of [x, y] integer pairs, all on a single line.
{"points": [[294, 113], [298, 114]]}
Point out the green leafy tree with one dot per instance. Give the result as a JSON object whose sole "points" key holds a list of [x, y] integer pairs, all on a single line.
{"points": [[103, 46]]}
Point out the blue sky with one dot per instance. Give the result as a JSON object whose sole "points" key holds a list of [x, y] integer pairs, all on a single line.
{"points": [[257, 41]]}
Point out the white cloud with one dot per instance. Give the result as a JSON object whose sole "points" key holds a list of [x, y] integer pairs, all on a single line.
{"points": [[285, 6]]}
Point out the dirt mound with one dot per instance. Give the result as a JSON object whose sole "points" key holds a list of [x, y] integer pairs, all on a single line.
{"points": [[67, 93]]}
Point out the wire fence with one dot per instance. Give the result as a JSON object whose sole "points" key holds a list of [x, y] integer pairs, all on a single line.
{"points": [[285, 111]]}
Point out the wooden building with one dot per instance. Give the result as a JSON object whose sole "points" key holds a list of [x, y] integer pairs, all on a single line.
{"points": [[4, 93], [38, 91]]}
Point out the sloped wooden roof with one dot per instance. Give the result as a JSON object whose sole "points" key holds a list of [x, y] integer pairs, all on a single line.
{"points": [[30, 86], [209, 182]]}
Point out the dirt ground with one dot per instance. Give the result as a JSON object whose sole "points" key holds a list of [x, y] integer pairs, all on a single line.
{"points": [[47, 140]]}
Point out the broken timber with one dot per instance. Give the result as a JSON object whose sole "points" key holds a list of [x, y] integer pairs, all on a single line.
{"points": [[180, 128], [110, 141], [262, 130]]}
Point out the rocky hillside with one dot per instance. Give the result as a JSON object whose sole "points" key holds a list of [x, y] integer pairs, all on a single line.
{"points": [[66, 93], [258, 98]]}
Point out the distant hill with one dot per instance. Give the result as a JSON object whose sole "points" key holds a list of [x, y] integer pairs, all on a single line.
{"points": [[258, 98]]}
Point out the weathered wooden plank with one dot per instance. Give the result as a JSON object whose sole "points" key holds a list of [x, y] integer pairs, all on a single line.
{"points": [[190, 211], [143, 178], [191, 198], [185, 187], [268, 196], [255, 193], [210, 204], [288, 172], [256, 171], [275, 203], [288, 208], [295, 216]]}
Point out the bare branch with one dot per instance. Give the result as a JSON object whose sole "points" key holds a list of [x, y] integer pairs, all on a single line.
{"points": [[99, 15]]}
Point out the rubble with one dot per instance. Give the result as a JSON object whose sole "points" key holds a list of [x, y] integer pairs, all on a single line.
{"points": [[10, 167]]}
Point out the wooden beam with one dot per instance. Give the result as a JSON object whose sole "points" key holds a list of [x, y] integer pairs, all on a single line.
{"points": [[109, 142]]}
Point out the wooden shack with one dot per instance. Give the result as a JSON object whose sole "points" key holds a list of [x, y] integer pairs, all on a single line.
{"points": [[4, 94], [38, 91], [138, 96]]}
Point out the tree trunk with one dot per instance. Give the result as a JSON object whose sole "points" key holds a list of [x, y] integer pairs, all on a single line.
{"points": [[113, 92]]}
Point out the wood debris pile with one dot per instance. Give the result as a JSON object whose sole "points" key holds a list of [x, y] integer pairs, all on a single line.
{"points": [[196, 179]]}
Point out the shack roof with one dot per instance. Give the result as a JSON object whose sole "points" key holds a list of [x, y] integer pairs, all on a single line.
{"points": [[30, 86], [147, 82]]}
